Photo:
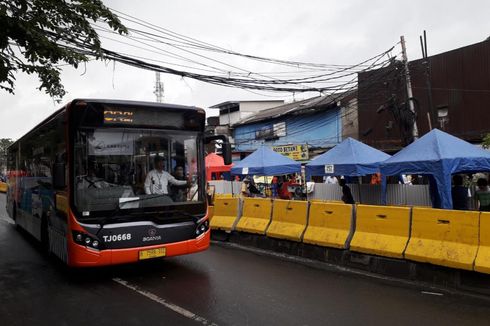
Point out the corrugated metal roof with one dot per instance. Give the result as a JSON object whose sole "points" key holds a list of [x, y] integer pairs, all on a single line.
{"points": [[233, 103], [309, 105]]}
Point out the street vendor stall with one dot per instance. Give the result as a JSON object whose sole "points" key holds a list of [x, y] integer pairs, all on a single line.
{"points": [[438, 155], [215, 164], [264, 161], [349, 158]]}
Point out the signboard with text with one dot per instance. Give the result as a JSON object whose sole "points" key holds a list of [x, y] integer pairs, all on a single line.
{"points": [[294, 152]]}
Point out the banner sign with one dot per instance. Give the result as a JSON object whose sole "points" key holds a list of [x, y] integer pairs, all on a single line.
{"points": [[329, 168], [294, 152]]}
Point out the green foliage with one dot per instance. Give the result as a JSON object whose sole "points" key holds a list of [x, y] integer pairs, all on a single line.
{"points": [[486, 141], [38, 35], [4, 143]]}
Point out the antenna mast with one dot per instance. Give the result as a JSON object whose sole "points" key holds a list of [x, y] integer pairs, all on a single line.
{"points": [[158, 88]]}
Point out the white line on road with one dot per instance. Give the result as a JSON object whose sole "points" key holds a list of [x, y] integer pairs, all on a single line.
{"points": [[432, 293], [182, 311]]}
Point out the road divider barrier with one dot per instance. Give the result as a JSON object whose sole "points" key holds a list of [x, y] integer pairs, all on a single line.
{"points": [[456, 239], [224, 196], [210, 212], [381, 230], [226, 213], [256, 215], [444, 237], [329, 225], [482, 261], [289, 219]]}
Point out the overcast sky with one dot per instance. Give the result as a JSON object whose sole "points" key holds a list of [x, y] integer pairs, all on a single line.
{"points": [[330, 32]]}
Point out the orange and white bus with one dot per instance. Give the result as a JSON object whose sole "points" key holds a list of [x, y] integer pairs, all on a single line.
{"points": [[77, 182]]}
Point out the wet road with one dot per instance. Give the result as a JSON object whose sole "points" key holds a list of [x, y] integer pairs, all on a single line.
{"points": [[223, 286]]}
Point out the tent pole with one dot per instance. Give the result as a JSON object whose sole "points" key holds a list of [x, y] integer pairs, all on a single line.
{"points": [[359, 179]]}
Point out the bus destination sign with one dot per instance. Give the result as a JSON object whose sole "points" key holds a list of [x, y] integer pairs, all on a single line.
{"points": [[118, 116]]}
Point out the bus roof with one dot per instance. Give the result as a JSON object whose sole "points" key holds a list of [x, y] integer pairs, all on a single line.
{"points": [[139, 103], [110, 101]]}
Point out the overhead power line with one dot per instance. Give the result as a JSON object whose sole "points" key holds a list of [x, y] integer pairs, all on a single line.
{"points": [[151, 47]]}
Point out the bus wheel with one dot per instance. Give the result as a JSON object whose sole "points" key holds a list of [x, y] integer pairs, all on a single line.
{"points": [[44, 234]]}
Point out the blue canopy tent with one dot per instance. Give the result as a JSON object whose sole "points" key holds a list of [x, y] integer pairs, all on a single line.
{"points": [[349, 158], [438, 155], [264, 161]]}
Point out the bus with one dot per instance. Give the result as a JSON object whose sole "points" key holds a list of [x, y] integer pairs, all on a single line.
{"points": [[78, 181]]}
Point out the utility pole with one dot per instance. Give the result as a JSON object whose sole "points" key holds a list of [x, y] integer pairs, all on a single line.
{"points": [[158, 88], [430, 112], [415, 130]]}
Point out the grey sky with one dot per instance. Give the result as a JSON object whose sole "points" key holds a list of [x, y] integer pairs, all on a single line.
{"points": [[331, 32]]}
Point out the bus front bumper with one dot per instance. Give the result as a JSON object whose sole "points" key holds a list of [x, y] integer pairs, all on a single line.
{"points": [[81, 256]]}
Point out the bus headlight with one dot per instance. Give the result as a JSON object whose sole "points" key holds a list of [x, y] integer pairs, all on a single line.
{"points": [[86, 240], [202, 228]]}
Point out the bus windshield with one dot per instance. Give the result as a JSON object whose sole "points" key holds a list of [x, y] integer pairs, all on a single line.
{"points": [[120, 168]]}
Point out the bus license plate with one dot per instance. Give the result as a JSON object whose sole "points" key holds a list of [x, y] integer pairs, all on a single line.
{"points": [[152, 253]]}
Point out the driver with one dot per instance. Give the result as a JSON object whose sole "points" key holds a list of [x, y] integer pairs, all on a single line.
{"points": [[157, 180]]}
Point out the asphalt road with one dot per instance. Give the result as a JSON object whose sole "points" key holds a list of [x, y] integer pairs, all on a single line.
{"points": [[223, 286]]}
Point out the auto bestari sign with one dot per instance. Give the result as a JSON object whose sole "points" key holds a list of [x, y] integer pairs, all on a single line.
{"points": [[294, 152]]}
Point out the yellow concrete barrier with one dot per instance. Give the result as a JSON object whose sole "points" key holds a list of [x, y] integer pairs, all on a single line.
{"points": [[289, 218], [381, 230], [444, 237], [210, 212], [256, 215], [226, 213], [329, 224], [482, 261], [223, 196]]}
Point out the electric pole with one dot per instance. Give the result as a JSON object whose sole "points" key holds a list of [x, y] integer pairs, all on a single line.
{"points": [[415, 130], [158, 88]]}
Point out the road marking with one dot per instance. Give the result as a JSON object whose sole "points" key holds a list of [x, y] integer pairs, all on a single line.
{"points": [[432, 293], [182, 311]]}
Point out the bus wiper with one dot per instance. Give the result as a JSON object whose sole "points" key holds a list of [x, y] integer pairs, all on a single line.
{"points": [[138, 199], [175, 211], [108, 219]]}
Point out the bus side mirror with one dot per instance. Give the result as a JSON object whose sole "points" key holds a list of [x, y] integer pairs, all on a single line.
{"points": [[226, 152], [59, 181], [225, 146]]}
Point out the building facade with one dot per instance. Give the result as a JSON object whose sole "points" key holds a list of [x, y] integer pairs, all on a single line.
{"points": [[315, 124], [451, 92]]}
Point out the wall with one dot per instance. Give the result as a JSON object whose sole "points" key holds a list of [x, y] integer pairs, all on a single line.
{"points": [[350, 122], [317, 130], [233, 117], [251, 106], [459, 82]]}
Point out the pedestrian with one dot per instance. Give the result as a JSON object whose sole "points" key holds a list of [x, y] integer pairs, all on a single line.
{"points": [[331, 179], [376, 178], [244, 189], [284, 189], [346, 193], [252, 188], [274, 187], [483, 195], [459, 194]]}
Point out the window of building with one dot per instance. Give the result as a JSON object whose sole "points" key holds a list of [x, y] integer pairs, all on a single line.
{"points": [[443, 117]]}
